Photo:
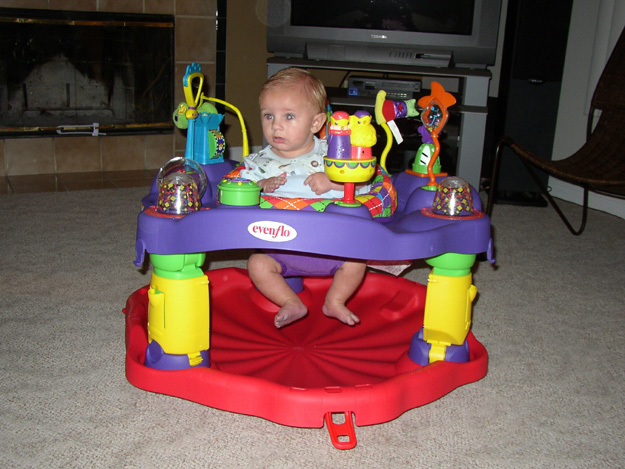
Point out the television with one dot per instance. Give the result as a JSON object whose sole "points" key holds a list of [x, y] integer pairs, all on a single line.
{"points": [[439, 33]]}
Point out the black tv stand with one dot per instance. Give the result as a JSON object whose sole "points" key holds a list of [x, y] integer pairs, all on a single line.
{"points": [[472, 105]]}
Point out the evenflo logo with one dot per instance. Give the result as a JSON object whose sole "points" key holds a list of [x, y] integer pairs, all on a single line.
{"points": [[272, 231]]}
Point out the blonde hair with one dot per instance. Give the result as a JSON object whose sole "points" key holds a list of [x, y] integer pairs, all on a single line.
{"points": [[294, 76]]}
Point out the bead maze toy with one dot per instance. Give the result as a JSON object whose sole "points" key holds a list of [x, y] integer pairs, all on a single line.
{"points": [[209, 336]]}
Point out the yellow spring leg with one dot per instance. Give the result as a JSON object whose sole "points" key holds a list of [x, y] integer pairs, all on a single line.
{"points": [[178, 315], [447, 317]]}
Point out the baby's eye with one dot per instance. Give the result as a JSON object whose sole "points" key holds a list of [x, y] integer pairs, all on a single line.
{"points": [[268, 116], [290, 116]]}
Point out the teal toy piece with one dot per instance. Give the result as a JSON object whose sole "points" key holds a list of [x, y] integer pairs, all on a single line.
{"points": [[205, 142]]}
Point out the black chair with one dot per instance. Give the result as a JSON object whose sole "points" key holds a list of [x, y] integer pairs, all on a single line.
{"points": [[599, 165]]}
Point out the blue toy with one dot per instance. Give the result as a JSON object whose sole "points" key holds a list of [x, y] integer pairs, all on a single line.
{"points": [[205, 142]]}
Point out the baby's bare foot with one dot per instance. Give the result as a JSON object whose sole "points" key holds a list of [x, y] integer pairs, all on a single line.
{"points": [[341, 313], [290, 312]]}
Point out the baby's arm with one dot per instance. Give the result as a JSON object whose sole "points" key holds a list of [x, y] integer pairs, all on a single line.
{"points": [[319, 183], [271, 184]]}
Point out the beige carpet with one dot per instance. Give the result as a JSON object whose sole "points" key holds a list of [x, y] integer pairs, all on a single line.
{"points": [[551, 315]]}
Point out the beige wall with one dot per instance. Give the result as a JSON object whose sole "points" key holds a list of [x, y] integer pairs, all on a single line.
{"points": [[194, 42], [246, 50]]}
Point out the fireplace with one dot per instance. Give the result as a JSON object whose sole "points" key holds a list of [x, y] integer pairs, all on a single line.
{"points": [[94, 73]]}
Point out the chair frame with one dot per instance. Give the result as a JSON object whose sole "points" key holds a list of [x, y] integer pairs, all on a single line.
{"points": [[599, 165], [507, 141]]}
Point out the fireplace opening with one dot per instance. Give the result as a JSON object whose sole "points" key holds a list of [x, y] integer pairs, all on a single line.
{"points": [[68, 73]]}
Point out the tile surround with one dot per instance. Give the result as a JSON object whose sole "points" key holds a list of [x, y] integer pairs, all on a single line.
{"points": [[49, 156], [161, 7], [28, 156], [61, 182], [196, 7], [76, 154], [127, 6], [159, 149], [123, 153], [82, 5], [192, 35]]}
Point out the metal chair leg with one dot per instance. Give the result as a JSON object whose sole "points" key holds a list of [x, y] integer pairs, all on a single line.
{"points": [[545, 191], [554, 204], [495, 174]]}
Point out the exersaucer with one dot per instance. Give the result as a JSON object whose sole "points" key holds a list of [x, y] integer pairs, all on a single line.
{"points": [[209, 336]]}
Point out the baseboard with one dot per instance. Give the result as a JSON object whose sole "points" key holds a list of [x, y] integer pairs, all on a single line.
{"points": [[575, 194]]}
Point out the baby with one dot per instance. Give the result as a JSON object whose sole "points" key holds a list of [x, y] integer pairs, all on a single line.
{"points": [[293, 109]]}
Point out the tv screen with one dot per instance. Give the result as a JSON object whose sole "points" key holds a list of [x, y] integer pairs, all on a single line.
{"points": [[441, 16], [406, 32]]}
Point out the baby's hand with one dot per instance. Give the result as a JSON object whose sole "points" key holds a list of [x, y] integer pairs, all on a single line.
{"points": [[271, 184], [319, 183]]}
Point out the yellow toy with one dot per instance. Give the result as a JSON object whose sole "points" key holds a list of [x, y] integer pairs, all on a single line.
{"points": [[447, 316], [178, 312], [349, 157]]}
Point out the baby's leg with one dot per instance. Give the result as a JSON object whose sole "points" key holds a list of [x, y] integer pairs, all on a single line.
{"points": [[346, 280], [266, 273]]}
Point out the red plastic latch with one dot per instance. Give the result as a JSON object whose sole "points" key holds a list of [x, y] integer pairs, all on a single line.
{"points": [[342, 435]]}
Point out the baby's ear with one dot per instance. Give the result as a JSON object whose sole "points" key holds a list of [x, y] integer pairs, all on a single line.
{"points": [[318, 122]]}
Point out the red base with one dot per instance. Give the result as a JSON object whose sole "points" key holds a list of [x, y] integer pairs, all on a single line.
{"points": [[296, 375]]}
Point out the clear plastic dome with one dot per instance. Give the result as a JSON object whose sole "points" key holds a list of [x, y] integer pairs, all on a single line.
{"points": [[453, 198], [181, 184]]}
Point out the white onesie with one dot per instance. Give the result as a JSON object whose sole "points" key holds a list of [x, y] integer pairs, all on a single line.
{"points": [[266, 164]]}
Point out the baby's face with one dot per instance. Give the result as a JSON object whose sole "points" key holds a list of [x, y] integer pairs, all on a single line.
{"points": [[289, 121]]}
